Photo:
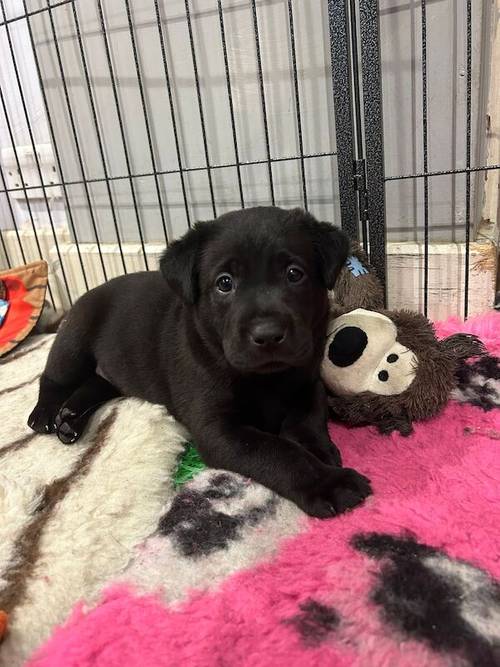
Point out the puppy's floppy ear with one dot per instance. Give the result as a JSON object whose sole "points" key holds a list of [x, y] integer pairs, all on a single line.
{"points": [[180, 262], [331, 246]]}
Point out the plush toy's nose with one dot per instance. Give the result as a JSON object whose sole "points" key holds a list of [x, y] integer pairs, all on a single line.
{"points": [[347, 346]]}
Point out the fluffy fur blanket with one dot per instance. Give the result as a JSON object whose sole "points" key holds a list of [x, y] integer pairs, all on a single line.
{"points": [[103, 562]]}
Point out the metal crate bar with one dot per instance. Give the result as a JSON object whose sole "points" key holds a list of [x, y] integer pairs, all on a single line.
{"points": [[93, 110], [230, 101], [56, 149], [444, 172], [359, 151], [172, 110], [200, 107], [18, 167], [14, 222], [28, 14], [23, 189], [374, 133], [107, 48], [33, 148], [425, 149], [341, 82], [229, 165], [249, 163], [145, 116], [297, 102], [5, 251], [468, 157], [356, 80], [74, 134], [263, 100]]}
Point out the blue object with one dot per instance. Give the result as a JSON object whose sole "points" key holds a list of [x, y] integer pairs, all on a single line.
{"points": [[4, 307], [355, 267]]}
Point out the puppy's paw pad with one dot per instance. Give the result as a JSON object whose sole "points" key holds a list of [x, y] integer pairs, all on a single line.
{"points": [[67, 427], [64, 415], [66, 434]]}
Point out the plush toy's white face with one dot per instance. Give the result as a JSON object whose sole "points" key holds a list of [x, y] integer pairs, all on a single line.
{"points": [[362, 354]]}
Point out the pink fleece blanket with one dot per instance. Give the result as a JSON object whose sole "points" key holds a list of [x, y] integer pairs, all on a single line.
{"points": [[409, 579]]}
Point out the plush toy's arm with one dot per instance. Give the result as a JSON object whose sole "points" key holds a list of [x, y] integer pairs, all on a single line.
{"points": [[463, 346], [385, 424], [401, 423], [357, 285]]}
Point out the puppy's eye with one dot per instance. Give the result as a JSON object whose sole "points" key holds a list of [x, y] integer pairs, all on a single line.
{"points": [[294, 274], [224, 283]]}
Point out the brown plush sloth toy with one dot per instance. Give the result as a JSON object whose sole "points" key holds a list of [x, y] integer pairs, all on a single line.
{"points": [[386, 368]]}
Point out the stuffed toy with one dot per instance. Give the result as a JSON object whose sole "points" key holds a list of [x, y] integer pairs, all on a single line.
{"points": [[3, 625], [357, 285], [22, 296], [386, 368], [4, 304]]}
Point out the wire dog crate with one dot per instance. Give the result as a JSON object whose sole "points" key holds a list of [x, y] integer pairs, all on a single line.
{"points": [[124, 121]]}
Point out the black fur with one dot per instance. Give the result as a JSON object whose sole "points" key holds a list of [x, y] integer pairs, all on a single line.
{"points": [[240, 369]]}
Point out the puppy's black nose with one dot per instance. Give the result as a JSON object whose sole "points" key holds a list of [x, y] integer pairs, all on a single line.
{"points": [[347, 346], [267, 333]]}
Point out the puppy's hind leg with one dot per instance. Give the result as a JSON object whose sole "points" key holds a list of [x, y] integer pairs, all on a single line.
{"points": [[72, 418], [68, 365]]}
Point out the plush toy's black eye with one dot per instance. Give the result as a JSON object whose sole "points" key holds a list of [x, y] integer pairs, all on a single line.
{"points": [[294, 274], [347, 346], [392, 358], [383, 376], [224, 283]]}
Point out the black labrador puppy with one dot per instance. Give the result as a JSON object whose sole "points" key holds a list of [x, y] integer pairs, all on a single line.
{"points": [[229, 336]]}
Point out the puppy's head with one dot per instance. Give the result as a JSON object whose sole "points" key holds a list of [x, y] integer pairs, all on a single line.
{"points": [[258, 280]]}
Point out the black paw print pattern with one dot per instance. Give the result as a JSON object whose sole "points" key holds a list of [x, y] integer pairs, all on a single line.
{"points": [[204, 520], [479, 383], [314, 622], [451, 605]]}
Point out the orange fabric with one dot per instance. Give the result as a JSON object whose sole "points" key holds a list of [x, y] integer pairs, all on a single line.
{"points": [[3, 624], [25, 291]]}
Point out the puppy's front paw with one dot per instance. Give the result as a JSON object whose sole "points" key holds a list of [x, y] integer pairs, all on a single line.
{"points": [[350, 489], [341, 490]]}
